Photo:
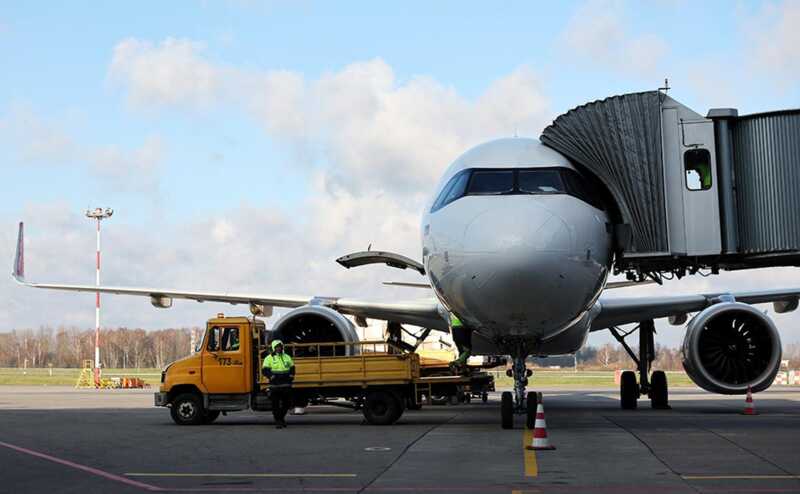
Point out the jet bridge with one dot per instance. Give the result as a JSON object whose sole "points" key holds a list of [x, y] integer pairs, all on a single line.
{"points": [[689, 192]]}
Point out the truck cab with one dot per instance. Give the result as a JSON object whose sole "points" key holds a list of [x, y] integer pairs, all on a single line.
{"points": [[221, 375]]}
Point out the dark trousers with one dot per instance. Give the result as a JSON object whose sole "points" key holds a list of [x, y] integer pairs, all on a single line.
{"points": [[281, 398]]}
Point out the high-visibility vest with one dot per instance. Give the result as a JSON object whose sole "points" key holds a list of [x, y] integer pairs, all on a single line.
{"points": [[278, 363], [454, 321]]}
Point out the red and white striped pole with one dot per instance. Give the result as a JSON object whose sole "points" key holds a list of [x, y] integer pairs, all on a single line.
{"points": [[98, 214]]}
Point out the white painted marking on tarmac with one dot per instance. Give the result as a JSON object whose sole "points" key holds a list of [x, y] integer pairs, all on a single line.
{"points": [[246, 475], [377, 448], [740, 477], [78, 466]]}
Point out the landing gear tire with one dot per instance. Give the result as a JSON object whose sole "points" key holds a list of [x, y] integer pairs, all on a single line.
{"points": [[187, 409], [485, 397], [210, 415], [628, 391], [507, 410], [659, 395], [382, 408], [531, 404]]}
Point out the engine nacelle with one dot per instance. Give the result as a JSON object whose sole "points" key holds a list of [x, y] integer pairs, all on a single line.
{"points": [[730, 346], [316, 324]]}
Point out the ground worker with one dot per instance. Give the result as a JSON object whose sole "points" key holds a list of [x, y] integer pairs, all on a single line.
{"points": [[279, 368], [462, 341]]}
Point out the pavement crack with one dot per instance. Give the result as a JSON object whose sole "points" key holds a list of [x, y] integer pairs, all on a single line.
{"points": [[748, 450], [652, 452], [405, 450]]}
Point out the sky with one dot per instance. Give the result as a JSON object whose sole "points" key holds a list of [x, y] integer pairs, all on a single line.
{"points": [[245, 145]]}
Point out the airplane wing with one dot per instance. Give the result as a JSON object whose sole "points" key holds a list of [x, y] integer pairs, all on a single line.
{"points": [[617, 311], [425, 312]]}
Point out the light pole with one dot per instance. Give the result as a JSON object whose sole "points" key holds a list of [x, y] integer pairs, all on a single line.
{"points": [[97, 214]]}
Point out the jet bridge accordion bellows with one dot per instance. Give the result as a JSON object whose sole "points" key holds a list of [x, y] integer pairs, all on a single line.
{"points": [[692, 191], [618, 139]]}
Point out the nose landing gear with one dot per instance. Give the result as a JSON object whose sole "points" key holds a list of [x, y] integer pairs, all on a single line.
{"points": [[656, 386], [519, 402]]}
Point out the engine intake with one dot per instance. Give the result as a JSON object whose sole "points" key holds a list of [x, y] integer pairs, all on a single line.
{"points": [[316, 324], [731, 346]]}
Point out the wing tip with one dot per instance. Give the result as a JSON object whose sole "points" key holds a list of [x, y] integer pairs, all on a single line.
{"points": [[19, 259]]}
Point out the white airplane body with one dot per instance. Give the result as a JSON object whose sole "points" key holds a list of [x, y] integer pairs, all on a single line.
{"points": [[516, 244], [518, 264]]}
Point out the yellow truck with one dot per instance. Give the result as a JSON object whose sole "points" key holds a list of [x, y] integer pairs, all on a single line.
{"points": [[224, 375]]}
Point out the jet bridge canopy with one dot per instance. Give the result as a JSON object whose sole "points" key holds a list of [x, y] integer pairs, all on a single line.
{"points": [[690, 192]]}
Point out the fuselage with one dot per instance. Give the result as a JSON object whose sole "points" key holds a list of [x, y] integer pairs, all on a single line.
{"points": [[517, 245]]}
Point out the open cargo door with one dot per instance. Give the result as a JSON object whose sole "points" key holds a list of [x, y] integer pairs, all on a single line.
{"points": [[378, 257]]}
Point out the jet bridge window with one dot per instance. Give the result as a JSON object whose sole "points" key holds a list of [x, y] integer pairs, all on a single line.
{"points": [[697, 166], [491, 182]]}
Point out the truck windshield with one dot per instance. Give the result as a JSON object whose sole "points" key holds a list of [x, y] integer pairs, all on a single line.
{"points": [[198, 346]]}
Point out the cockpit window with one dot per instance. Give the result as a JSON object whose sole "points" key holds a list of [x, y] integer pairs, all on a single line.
{"points": [[452, 190], [537, 181], [518, 181], [491, 182]]}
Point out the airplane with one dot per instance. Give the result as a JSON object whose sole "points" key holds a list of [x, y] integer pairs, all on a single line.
{"points": [[516, 246]]}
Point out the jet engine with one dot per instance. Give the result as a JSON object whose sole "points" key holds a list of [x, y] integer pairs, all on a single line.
{"points": [[316, 324], [730, 346]]}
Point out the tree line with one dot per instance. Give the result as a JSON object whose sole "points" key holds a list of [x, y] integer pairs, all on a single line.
{"points": [[122, 348], [125, 348]]}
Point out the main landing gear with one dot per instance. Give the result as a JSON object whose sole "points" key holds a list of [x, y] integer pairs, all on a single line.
{"points": [[656, 386], [519, 402]]}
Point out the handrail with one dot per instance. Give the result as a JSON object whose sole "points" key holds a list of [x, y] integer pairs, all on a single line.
{"points": [[334, 344]]}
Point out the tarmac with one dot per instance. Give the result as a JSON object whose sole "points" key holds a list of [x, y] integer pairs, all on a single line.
{"points": [[55, 439]]}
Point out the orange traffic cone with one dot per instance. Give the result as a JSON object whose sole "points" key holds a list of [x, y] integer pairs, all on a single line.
{"points": [[540, 440], [749, 406]]}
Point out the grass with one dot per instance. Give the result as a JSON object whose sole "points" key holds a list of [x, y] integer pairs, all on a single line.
{"points": [[582, 379], [68, 377]]}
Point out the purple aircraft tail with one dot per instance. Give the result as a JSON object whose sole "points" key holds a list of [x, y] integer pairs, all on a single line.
{"points": [[19, 259]]}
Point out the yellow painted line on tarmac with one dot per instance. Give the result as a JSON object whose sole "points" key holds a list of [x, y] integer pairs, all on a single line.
{"points": [[531, 467], [740, 477], [246, 475]]}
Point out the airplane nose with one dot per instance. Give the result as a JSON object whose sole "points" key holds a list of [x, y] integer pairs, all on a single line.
{"points": [[518, 229], [517, 268]]}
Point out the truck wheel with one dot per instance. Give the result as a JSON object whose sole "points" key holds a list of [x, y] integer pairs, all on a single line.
{"points": [[187, 409], [382, 408], [210, 416], [411, 404], [507, 410]]}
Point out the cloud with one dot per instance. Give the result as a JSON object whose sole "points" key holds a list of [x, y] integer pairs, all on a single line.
{"points": [[169, 73], [774, 41], [598, 33], [129, 170], [39, 141], [368, 129]]}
